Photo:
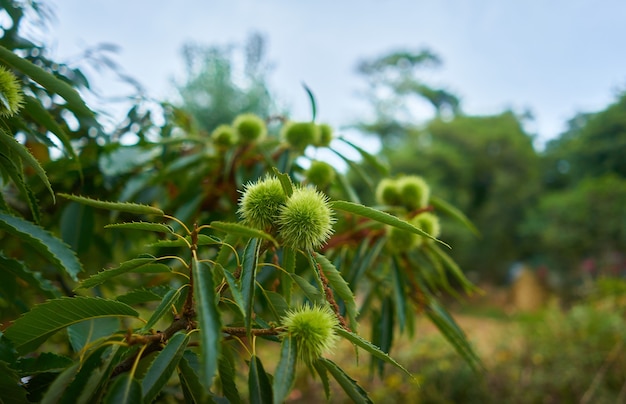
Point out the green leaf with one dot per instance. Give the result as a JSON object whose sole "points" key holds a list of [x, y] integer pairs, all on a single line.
{"points": [[454, 269], [13, 168], [209, 321], [453, 333], [59, 385], [445, 207], [163, 366], [242, 231], [323, 373], [311, 292], [381, 217], [203, 239], [312, 100], [347, 188], [45, 362], [47, 80], [125, 390], [227, 374], [139, 296], [10, 386], [248, 279], [371, 348], [189, 379], [39, 114], [33, 279], [128, 207], [285, 374], [77, 225], [258, 383], [162, 309], [349, 385], [285, 181], [399, 294], [87, 381], [234, 288], [36, 326], [87, 331], [53, 249], [340, 286], [134, 265], [289, 265], [144, 226], [369, 158], [19, 149]]}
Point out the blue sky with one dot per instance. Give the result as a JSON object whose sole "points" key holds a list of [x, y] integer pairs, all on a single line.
{"points": [[552, 57]]}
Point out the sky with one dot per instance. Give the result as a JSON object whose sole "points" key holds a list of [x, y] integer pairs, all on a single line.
{"points": [[553, 58]]}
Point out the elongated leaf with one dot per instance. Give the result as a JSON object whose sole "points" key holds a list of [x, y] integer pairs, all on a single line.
{"points": [[162, 309], [40, 115], [144, 226], [227, 376], [128, 207], [381, 217], [135, 264], [87, 379], [14, 169], [371, 348], [312, 100], [349, 385], [285, 181], [285, 370], [59, 385], [189, 379], [454, 269], [258, 383], [203, 239], [209, 321], [16, 147], [125, 390], [341, 288], [33, 279], [445, 207], [369, 158], [139, 296], [323, 373], [53, 249], [77, 226], [163, 366], [347, 188], [311, 292], [87, 331], [36, 326], [453, 333], [399, 293], [45, 362], [289, 265], [248, 279], [242, 231], [234, 289], [47, 80], [10, 385]]}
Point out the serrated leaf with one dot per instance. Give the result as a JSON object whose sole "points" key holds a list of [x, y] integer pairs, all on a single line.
{"points": [[163, 366], [87, 331], [233, 287], [323, 373], [285, 181], [248, 279], [77, 225], [125, 390], [242, 231], [227, 374], [52, 248], [127, 207], [59, 385], [135, 264], [371, 348], [258, 383], [47, 80], [448, 209], [88, 378], [45, 362], [311, 292], [36, 326], [285, 374], [190, 381], [203, 239], [209, 321], [162, 309], [39, 114], [10, 385], [139, 296], [340, 286], [381, 217], [144, 226], [453, 333], [13, 168], [19, 149], [349, 385], [33, 279]]}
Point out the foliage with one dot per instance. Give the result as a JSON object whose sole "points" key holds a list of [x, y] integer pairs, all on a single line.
{"points": [[196, 279]]}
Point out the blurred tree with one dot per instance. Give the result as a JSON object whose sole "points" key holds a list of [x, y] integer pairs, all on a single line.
{"points": [[393, 87], [218, 86]]}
